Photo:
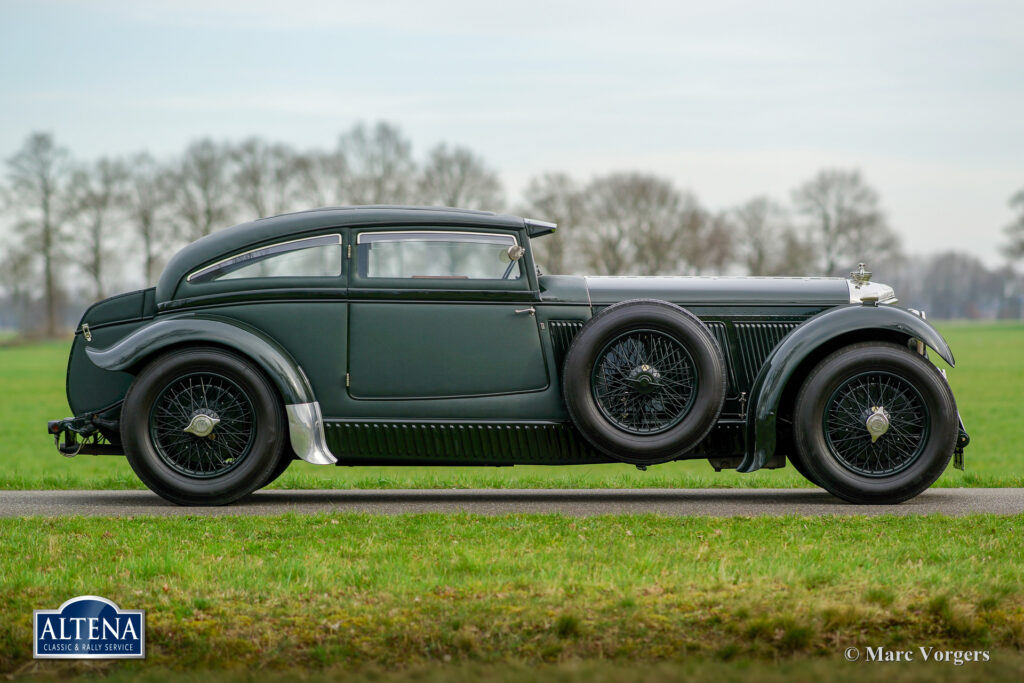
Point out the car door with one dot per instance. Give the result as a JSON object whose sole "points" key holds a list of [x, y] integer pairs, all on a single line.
{"points": [[440, 313]]}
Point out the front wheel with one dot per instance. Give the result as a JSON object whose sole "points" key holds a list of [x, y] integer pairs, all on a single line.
{"points": [[202, 426], [875, 423]]}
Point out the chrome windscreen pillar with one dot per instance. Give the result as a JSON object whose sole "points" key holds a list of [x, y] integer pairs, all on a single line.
{"points": [[306, 429]]}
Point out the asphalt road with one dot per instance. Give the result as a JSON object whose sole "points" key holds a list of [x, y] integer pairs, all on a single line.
{"points": [[578, 502]]}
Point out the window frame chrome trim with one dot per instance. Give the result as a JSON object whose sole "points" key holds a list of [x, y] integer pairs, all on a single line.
{"points": [[212, 266], [500, 235]]}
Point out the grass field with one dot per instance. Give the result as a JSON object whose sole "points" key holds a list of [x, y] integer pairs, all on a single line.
{"points": [[517, 598], [988, 382], [424, 593]]}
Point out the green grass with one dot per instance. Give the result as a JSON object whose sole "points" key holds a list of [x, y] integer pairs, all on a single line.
{"points": [[1006, 666], [988, 383], [368, 593]]}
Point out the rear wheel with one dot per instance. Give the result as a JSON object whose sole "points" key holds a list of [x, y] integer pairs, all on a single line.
{"points": [[875, 423], [202, 426]]}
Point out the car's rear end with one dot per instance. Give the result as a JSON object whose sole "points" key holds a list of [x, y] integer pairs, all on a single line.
{"points": [[95, 395]]}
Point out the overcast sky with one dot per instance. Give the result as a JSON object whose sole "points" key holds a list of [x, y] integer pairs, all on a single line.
{"points": [[730, 99]]}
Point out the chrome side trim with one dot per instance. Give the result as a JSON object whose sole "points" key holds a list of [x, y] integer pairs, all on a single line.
{"points": [[306, 430]]}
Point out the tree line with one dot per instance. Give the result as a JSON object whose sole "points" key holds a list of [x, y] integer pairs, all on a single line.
{"points": [[79, 229]]}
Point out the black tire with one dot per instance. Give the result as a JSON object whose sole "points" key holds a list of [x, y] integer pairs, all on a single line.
{"points": [[283, 463], [843, 390], [798, 464], [680, 414], [188, 469]]}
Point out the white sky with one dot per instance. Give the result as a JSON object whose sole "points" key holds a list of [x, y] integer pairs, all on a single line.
{"points": [[730, 99]]}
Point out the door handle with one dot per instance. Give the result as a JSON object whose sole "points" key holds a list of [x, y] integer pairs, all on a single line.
{"points": [[531, 310]]}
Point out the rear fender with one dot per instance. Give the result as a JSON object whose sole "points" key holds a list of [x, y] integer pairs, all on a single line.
{"points": [[767, 390], [287, 376]]}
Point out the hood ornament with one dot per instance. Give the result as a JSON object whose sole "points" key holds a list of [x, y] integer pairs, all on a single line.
{"points": [[861, 276]]}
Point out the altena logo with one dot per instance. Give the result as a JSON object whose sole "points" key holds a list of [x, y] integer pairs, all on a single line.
{"points": [[89, 627]]}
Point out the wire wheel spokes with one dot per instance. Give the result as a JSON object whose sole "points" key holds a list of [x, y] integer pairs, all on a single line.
{"points": [[845, 424], [644, 381], [202, 454]]}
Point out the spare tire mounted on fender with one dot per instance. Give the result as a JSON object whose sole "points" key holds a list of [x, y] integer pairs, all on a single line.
{"points": [[644, 381]]}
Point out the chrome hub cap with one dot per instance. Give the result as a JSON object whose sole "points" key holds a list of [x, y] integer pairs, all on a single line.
{"points": [[202, 424], [877, 422], [644, 379]]}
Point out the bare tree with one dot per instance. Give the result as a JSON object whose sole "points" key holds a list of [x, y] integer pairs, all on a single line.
{"points": [[147, 195], [845, 213], [267, 177], [711, 246], [458, 177], [203, 191], [556, 197], [636, 224], [97, 193], [17, 279], [760, 224], [38, 174], [322, 177], [796, 254], [960, 286], [1015, 230], [379, 165]]}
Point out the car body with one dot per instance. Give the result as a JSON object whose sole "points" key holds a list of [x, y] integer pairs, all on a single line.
{"points": [[427, 336]]}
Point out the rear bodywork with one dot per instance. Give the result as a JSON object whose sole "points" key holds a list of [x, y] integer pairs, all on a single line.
{"points": [[455, 374]]}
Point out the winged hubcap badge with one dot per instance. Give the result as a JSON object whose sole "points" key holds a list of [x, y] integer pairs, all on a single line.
{"points": [[202, 425]]}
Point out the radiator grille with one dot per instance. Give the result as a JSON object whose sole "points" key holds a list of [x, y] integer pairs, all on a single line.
{"points": [[562, 334], [721, 334], [756, 341]]}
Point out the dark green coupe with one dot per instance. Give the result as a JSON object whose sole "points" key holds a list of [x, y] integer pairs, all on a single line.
{"points": [[423, 336]]}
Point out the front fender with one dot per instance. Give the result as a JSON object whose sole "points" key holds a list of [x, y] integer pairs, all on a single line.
{"points": [[778, 369], [141, 344]]}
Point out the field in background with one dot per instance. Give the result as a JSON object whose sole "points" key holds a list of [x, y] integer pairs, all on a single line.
{"points": [[453, 598], [388, 593], [988, 382]]}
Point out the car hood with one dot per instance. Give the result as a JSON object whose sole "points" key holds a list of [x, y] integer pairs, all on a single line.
{"points": [[684, 290]]}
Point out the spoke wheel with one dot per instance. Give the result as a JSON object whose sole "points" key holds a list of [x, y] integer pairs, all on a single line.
{"points": [[644, 381], [204, 399], [854, 402]]}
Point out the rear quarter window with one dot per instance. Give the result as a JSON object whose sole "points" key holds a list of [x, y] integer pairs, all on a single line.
{"points": [[312, 257]]}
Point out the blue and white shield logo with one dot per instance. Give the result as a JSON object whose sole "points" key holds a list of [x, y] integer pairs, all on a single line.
{"points": [[89, 627]]}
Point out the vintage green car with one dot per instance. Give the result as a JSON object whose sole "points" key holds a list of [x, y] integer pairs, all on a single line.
{"points": [[428, 336]]}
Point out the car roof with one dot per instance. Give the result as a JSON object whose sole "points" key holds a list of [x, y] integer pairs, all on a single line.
{"points": [[238, 237]]}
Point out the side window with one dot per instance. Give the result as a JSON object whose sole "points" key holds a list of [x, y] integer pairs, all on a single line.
{"points": [[313, 257], [437, 255]]}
